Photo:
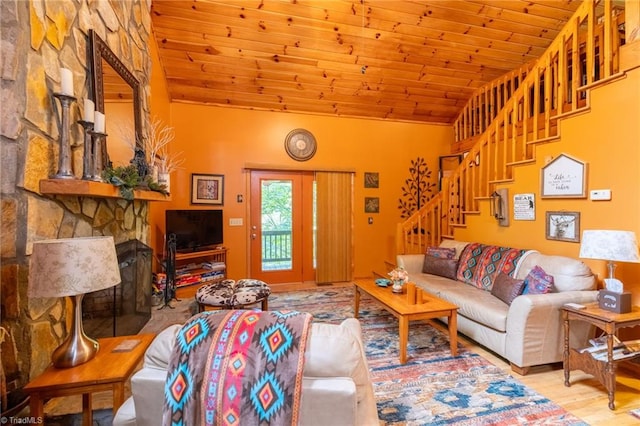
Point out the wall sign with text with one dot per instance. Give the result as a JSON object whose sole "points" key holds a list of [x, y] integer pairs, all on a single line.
{"points": [[564, 177]]}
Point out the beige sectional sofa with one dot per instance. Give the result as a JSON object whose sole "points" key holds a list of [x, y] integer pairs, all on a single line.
{"points": [[528, 332], [336, 388]]}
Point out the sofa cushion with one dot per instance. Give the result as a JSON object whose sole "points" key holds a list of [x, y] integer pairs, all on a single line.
{"points": [[480, 264], [160, 350], [458, 246], [441, 252], [538, 282], [479, 306], [568, 274], [506, 288], [336, 351], [439, 266]]}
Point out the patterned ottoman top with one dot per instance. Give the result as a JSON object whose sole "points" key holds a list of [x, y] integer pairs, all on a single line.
{"points": [[230, 293]]}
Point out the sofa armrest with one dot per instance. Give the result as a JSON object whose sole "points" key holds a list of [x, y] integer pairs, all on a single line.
{"points": [[147, 388], [535, 332], [328, 401], [412, 263]]}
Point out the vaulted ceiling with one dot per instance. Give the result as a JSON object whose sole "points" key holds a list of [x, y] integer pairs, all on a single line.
{"points": [[387, 59]]}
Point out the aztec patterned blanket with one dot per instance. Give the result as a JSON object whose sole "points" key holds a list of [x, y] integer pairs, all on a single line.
{"points": [[237, 367], [480, 264]]}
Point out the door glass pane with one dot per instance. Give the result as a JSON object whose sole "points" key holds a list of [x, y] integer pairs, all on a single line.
{"points": [[276, 196]]}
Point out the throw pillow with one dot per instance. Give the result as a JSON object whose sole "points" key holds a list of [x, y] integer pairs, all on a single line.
{"points": [[506, 288], [438, 266], [538, 282], [441, 252]]}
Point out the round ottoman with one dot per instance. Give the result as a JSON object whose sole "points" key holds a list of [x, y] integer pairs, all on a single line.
{"points": [[229, 294]]}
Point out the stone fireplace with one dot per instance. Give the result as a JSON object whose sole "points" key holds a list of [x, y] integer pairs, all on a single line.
{"points": [[124, 309], [39, 37]]}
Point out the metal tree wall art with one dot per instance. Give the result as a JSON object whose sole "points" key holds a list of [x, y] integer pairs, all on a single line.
{"points": [[417, 189]]}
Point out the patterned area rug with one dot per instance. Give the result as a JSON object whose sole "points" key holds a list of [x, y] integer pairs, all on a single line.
{"points": [[432, 387]]}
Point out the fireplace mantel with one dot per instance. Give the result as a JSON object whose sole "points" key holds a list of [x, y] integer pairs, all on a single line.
{"points": [[87, 188]]}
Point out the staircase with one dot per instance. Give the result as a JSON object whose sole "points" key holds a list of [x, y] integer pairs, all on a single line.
{"points": [[505, 120]]}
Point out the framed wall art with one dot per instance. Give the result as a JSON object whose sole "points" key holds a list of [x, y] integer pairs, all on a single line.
{"points": [[371, 179], [564, 177], [563, 226], [207, 189], [371, 204]]}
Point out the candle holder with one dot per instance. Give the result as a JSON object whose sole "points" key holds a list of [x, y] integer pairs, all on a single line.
{"points": [[65, 170], [88, 159], [97, 141]]}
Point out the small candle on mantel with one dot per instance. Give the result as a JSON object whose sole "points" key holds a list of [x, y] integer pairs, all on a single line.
{"points": [[89, 109], [66, 82], [98, 125]]}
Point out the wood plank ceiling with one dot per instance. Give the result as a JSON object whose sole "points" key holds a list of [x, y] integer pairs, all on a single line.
{"points": [[385, 59]]}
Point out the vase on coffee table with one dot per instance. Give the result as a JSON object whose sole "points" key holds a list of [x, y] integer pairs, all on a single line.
{"points": [[397, 286]]}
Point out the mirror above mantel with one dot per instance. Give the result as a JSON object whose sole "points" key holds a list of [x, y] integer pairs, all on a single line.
{"points": [[116, 93]]}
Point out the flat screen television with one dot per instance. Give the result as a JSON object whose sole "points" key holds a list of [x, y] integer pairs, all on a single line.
{"points": [[195, 229]]}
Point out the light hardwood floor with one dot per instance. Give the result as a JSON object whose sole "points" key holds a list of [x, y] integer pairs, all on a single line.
{"points": [[585, 398]]}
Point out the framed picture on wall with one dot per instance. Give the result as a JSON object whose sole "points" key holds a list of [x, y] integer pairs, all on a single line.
{"points": [[564, 177], [371, 180], [207, 189], [563, 226], [371, 204]]}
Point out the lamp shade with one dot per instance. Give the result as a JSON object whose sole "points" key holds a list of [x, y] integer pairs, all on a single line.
{"points": [[72, 266], [619, 246]]}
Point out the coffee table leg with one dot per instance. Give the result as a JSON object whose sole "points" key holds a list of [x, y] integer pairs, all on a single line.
{"points": [[453, 332], [404, 338], [356, 303]]}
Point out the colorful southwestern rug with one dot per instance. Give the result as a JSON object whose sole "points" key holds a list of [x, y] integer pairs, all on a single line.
{"points": [[433, 387]]}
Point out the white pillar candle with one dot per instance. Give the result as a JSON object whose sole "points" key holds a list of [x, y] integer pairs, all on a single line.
{"points": [[98, 126], [89, 108], [66, 82]]}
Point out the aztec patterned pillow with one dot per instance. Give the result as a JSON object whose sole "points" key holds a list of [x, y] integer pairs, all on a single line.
{"points": [[538, 282], [506, 288], [441, 252], [480, 264]]}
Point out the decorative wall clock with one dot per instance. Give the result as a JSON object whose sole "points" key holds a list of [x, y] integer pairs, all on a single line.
{"points": [[300, 144]]}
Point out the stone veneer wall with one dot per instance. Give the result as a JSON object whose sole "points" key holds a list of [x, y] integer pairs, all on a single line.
{"points": [[38, 37]]}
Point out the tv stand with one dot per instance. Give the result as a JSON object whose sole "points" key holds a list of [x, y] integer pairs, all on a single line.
{"points": [[208, 255]]}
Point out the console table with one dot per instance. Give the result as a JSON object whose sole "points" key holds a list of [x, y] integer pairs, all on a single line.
{"points": [[108, 370], [610, 323]]}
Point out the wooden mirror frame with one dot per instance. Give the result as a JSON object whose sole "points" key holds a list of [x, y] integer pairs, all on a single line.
{"points": [[98, 51]]}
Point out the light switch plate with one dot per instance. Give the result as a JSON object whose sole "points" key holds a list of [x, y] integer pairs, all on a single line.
{"points": [[600, 195]]}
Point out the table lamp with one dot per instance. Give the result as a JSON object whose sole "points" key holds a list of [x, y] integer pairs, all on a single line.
{"points": [[612, 246], [73, 267]]}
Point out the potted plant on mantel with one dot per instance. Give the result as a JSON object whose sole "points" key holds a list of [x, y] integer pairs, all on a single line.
{"points": [[161, 163]]}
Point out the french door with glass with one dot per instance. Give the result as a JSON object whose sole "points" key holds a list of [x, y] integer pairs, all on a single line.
{"points": [[282, 226]]}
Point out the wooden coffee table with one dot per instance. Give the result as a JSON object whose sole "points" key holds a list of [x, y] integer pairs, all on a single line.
{"points": [[397, 305], [109, 370]]}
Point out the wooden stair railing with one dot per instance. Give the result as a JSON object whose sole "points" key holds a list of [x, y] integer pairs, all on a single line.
{"points": [[555, 86]]}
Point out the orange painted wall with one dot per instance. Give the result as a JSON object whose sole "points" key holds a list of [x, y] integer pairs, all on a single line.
{"points": [[224, 140], [160, 108], [608, 140]]}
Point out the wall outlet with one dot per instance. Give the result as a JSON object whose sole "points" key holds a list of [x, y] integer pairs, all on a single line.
{"points": [[235, 221], [600, 195]]}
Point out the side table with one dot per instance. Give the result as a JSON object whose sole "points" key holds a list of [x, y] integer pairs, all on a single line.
{"points": [[610, 323], [108, 370]]}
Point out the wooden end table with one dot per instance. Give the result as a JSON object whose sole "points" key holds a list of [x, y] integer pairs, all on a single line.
{"points": [[108, 370], [610, 323], [397, 305]]}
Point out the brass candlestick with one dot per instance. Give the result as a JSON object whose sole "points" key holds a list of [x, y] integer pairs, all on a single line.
{"points": [[97, 141], [64, 162], [88, 159]]}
